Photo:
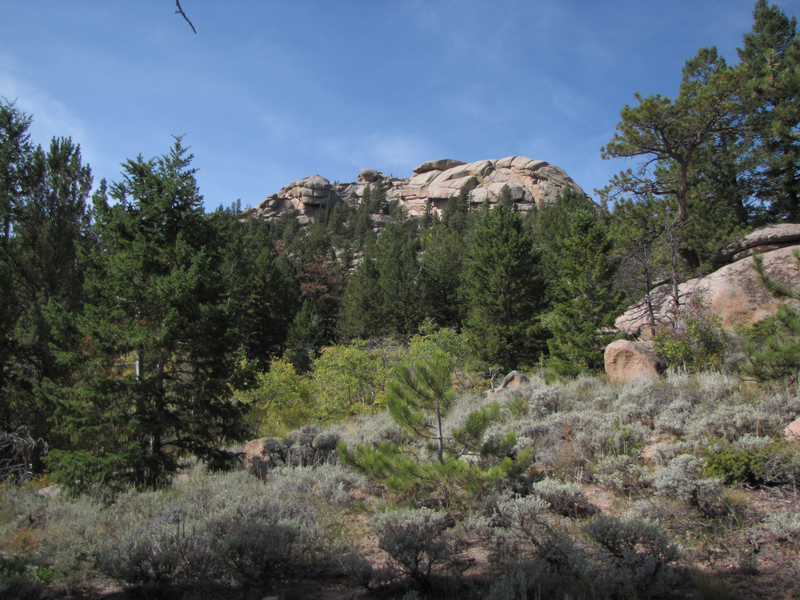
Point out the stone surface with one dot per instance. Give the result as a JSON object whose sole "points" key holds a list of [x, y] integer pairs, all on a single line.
{"points": [[763, 239], [733, 292], [512, 380], [626, 361], [532, 182], [256, 451], [368, 175], [437, 165], [792, 431]]}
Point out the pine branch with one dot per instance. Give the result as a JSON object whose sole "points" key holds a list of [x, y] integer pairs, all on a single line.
{"points": [[180, 11]]}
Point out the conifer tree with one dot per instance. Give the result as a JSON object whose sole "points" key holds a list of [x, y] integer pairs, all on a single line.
{"points": [[440, 273], [153, 375], [503, 291], [586, 302], [506, 199]]}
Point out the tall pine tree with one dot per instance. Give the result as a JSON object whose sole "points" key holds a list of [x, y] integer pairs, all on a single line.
{"points": [[158, 353], [503, 291]]}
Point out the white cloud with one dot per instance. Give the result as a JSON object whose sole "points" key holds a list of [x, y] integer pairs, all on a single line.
{"points": [[51, 117]]}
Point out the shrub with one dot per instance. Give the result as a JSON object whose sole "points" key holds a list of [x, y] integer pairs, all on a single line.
{"points": [[754, 461], [226, 527], [566, 499], [681, 480], [622, 474], [413, 539], [638, 552], [694, 341]]}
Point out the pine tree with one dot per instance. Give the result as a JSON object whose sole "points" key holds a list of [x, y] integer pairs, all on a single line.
{"points": [[586, 302], [770, 59], [506, 199], [503, 291], [158, 353]]}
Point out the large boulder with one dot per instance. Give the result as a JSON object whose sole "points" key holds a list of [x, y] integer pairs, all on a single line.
{"points": [[734, 293], [512, 380], [627, 361], [437, 165], [792, 431], [763, 239]]}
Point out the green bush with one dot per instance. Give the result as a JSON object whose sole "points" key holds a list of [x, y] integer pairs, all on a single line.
{"points": [[693, 341], [753, 461]]}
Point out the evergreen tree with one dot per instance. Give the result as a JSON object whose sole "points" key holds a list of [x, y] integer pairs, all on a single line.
{"points": [[506, 199], [669, 135], [382, 295], [503, 291], [440, 273], [362, 303], [456, 209], [158, 355], [586, 304], [770, 59], [43, 203], [418, 400], [397, 264]]}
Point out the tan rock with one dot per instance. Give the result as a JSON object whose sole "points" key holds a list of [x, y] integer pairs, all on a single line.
{"points": [[626, 361], [763, 239], [512, 380], [256, 452], [368, 175], [438, 165], [532, 182], [734, 292], [792, 431]]}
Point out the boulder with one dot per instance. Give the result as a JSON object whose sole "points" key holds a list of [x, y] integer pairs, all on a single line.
{"points": [[626, 361], [256, 451], [264, 453], [734, 292], [368, 175], [763, 239], [438, 165], [512, 380], [792, 431]]}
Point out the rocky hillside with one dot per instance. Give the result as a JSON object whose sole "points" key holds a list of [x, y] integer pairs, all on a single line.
{"points": [[532, 182]]}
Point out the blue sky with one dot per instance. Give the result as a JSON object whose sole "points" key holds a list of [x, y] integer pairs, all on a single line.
{"points": [[268, 92]]}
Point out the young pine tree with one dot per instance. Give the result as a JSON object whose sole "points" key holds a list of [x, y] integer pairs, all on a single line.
{"points": [[586, 303]]}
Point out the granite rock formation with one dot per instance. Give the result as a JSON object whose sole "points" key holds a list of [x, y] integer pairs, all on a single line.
{"points": [[532, 182]]}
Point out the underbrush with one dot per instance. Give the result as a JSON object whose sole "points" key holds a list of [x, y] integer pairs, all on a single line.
{"points": [[682, 487]]}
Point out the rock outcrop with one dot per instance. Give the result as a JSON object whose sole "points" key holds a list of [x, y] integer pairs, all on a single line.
{"points": [[764, 239], [734, 292], [627, 361], [532, 182]]}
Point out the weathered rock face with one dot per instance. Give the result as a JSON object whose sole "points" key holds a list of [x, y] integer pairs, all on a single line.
{"points": [[512, 380], [764, 239], [532, 182], [792, 431], [734, 292], [626, 361]]}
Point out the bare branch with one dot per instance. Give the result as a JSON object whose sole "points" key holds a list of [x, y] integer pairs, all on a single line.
{"points": [[180, 11]]}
